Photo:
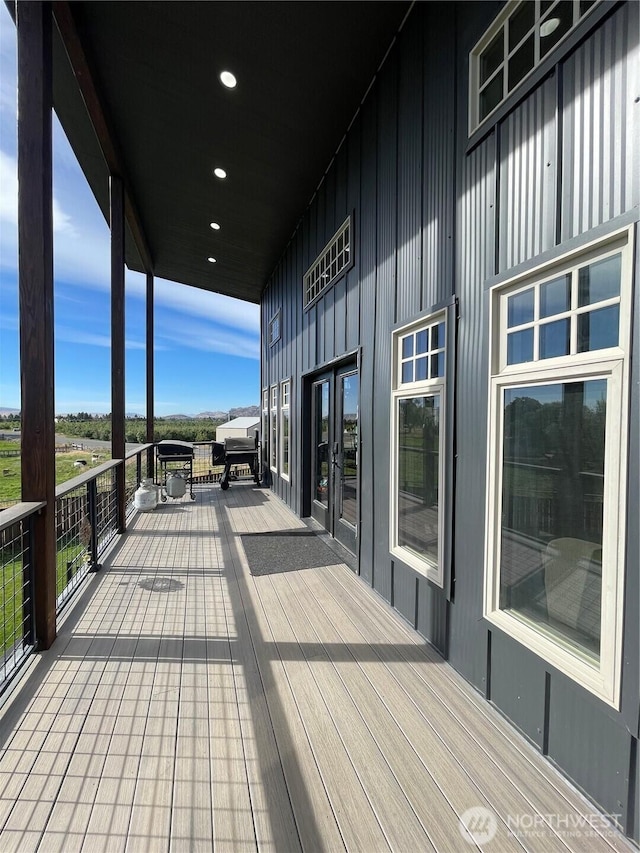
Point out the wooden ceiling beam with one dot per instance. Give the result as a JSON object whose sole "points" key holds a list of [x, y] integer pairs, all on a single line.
{"points": [[98, 116]]}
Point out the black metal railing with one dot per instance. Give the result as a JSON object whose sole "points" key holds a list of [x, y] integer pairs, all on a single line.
{"points": [[16, 588], [87, 519]]}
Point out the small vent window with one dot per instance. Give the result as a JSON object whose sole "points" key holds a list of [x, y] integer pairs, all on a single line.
{"points": [[334, 259]]}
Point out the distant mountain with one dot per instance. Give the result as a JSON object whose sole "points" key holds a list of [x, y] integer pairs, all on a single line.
{"points": [[4, 411], [244, 412], [240, 412], [214, 416]]}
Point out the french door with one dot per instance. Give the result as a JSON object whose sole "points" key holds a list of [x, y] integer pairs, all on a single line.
{"points": [[335, 453]]}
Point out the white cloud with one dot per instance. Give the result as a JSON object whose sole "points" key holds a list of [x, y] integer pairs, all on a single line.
{"points": [[78, 336], [208, 338], [200, 303], [9, 194]]}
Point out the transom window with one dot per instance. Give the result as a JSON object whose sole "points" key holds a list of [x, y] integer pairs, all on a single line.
{"points": [[557, 462], [518, 40], [332, 261], [575, 312], [417, 458], [422, 354]]}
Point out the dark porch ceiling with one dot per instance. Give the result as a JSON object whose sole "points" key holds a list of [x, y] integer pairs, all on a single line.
{"points": [[302, 69]]}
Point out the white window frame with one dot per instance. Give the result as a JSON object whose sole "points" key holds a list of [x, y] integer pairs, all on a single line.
{"points": [[603, 677], [430, 387], [501, 23], [332, 262], [265, 422], [273, 428], [275, 328], [285, 411]]}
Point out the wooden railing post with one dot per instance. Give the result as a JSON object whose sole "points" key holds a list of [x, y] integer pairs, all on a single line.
{"points": [[35, 277], [150, 375], [117, 343]]}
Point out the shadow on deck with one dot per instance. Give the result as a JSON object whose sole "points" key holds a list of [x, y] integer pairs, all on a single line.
{"points": [[193, 701]]}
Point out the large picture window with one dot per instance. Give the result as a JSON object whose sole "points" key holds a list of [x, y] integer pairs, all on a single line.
{"points": [[273, 428], [418, 439], [285, 393], [558, 425]]}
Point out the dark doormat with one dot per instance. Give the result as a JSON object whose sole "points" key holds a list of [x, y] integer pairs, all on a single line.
{"points": [[286, 551]]}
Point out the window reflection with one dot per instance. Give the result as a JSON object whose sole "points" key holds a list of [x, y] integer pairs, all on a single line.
{"points": [[417, 480], [552, 500]]}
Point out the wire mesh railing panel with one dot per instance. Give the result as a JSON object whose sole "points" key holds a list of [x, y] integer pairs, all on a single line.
{"points": [[106, 508], [16, 597], [131, 481], [73, 537]]}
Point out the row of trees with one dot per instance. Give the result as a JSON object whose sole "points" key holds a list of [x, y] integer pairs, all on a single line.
{"points": [[196, 429]]}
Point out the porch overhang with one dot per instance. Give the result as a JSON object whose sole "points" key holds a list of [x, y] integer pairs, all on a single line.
{"points": [[136, 89]]}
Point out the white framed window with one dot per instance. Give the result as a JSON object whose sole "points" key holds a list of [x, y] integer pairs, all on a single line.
{"points": [[273, 428], [524, 33], [285, 423], [417, 458], [265, 425], [332, 261], [274, 329], [558, 422]]}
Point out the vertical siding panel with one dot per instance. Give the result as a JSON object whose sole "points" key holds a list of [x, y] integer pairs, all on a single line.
{"points": [[528, 163], [438, 155], [368, 301], [409, 191], [600, 84], [329, 325], [306, 262], [340, 289], [354, 277], [385, 298], [474, 263]]}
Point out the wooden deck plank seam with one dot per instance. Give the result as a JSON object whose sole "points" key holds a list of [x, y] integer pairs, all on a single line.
{"points": [[363, 722], [401, 730], [59, 654], [502, 729], [257, 635]]}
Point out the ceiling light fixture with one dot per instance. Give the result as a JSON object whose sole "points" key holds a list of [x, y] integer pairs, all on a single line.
{"points": [[228, 79], [211, 260], [549, 26], [219, 173], [215, 226]]}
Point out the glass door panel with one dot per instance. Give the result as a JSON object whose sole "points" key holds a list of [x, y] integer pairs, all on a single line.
{"points": [[348, 451], [321, 443]]}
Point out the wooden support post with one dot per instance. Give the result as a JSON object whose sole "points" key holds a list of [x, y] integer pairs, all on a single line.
{"points": [[116, 187], [35, 277], [150, 373]]}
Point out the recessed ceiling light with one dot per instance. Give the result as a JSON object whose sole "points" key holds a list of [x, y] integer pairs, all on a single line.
{"points": [[211, 260], [549, 26], [219, 173], [215, 226], [228, 79]]}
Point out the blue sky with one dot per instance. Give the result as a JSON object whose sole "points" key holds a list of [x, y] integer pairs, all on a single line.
{"points": [[206, 345]]}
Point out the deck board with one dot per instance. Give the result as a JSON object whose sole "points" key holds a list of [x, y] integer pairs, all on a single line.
{"points": [[188, 705]]}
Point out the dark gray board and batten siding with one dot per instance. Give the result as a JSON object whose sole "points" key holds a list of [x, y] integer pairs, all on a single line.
{"points": [[436, 216]]}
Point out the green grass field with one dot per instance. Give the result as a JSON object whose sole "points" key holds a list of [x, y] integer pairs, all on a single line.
{"points": [[10, 480], [11, 591]]}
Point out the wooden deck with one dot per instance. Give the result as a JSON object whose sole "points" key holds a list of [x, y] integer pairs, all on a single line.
{"points": [[189, 705]]}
